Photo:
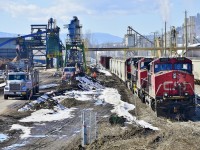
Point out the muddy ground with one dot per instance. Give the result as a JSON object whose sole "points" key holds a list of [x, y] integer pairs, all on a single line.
{"points": [[170, 136]]}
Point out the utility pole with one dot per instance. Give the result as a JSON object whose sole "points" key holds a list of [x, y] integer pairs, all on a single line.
{"points": [[186, 38], [154, 43], [96, 57], [165, 37], [162, 40]]}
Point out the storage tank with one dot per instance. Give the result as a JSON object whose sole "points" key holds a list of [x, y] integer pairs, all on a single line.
{"points": [[74, 29], [130, 40]]}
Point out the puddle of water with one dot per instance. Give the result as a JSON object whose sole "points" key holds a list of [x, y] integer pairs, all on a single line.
{"points": [[3, 137], [14, 146]]}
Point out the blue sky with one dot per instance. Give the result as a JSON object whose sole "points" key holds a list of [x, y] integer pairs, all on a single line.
{"points": [[108, 16]]}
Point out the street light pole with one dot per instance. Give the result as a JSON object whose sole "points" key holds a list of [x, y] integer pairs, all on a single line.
{"points": [[154, 43], [165, 37]]}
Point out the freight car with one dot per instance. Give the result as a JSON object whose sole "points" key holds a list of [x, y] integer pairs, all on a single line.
{"points": [[104, 61], [165, 84], [121, 68]]}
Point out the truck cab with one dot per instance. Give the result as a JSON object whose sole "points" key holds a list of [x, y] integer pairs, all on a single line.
{"points": [[20, 84], [68, 73]]}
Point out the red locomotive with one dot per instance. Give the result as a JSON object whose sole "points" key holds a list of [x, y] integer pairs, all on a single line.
{"points": [[140, 71], [169, 87]]}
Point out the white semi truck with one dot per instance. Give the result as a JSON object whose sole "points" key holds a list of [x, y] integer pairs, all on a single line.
{"points": [[21, 84]]}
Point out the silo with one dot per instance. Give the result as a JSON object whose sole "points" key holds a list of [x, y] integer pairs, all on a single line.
{"points": [[130, 40]]}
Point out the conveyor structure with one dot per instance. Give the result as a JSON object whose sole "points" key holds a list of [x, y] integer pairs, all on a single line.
{"points": [[42, 43]]}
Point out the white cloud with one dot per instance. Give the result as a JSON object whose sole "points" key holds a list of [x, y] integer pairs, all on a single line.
{"points": [[17, 9], [92, 13], [65, 9], [35, 12]]}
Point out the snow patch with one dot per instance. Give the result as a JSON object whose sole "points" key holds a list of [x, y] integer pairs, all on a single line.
{"points": [[82, 95], [47, 115], [107, 73], [145, 124], [122, 108], [99, 102], [25, 130], [87, 83]]}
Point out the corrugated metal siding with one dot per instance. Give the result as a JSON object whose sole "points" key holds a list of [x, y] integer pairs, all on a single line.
{"points": [[8, 50]]}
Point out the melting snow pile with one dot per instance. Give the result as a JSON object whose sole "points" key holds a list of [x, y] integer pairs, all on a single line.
{"points": [[82, 95], [48, 109], [122, 108], [87, 84], [111, 96], [91, 90], [44, 101], [107, 73]]}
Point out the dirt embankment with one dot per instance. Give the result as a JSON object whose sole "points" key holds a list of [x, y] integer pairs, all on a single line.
{"points": [[171, 134]]}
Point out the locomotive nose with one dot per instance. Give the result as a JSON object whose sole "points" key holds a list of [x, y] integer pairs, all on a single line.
{"points": [[181, 77]]}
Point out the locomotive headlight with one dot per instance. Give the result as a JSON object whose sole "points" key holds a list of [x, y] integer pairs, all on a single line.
{"points": [[186, 94], [174, 75], [165, 94]]}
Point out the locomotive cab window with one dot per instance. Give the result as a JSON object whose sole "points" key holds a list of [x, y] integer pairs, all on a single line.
{"points": [[129, 62], [144, 65], [162, 67], [183, 66]]}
